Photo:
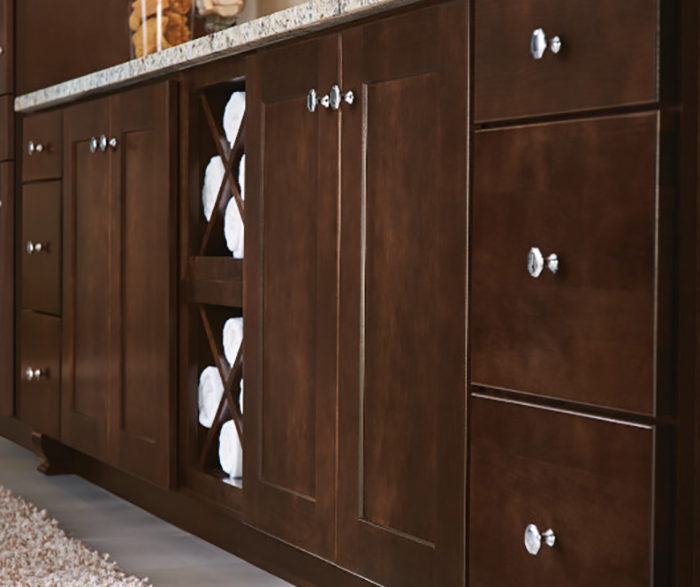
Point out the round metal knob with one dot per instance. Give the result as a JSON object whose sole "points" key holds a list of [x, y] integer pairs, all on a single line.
{"points": [[113, 143], [103, 143], [34, 374], [538, 44], [33, 147], [533, 539], [33, 247], [2, 50], [93, 144], [536, 262], [336, 97]]}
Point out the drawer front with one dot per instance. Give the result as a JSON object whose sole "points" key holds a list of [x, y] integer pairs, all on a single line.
{"points": [[7, 128], [42, 146], [589, 480], [7, 77], [41, 247], [608, 56], [585, 191], [39, 377]]}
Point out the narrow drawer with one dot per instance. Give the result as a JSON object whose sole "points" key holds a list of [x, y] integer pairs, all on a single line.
{"points": [[42, 146], [588, 480], [41, 247], [585, 191], [40, 376], [608, 56], [7, 128]]}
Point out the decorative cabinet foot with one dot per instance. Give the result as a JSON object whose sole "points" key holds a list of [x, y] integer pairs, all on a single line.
{"points": [[48, 453]]}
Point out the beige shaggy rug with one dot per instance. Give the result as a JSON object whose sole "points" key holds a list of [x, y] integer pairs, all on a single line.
{"points": [[35, 552]]}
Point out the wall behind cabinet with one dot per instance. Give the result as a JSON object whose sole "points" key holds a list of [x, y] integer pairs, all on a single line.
{"points": [[58, 41]]}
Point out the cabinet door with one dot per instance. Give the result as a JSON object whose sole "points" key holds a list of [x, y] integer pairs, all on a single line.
{"points": [[290, 296], [7, 289], [7, 53], [142, 311], [86, 280], [402, 389]]}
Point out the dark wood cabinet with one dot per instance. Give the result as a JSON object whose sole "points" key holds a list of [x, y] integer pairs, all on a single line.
{"points": [[314, 281], [7, 289], [7, 47], [42, 146], [592, 481], [402, 356], [41, 247], [290, 296], [585, 333], [118, 328], [39, 389], [58, 41]]}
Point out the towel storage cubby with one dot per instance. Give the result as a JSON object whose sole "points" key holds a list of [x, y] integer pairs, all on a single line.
{"points": [[211, 310]]}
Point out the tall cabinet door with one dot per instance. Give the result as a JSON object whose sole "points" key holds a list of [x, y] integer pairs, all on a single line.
{"points": [[142, 305], [86, 280], [401, 467], [290, 295], [7, 289]]}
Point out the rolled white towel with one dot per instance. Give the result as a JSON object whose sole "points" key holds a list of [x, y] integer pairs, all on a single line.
{"points": [[241, 176], [233, 229], [211, 389], [213, 178], [230, 450], [233, 115], [233, 335]]}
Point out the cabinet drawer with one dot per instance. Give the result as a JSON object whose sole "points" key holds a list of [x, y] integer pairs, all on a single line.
{"points": [[7, 76], [42, 146], [40, 376], [585, 191], [589, 480], [41, 247], [608, 56], [7, 128]]}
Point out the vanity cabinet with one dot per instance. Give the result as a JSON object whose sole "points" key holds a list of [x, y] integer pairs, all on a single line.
{"points": [[355, 349], [118, 281]]}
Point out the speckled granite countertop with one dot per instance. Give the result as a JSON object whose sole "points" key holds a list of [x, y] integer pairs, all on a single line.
{"points": [[292, 22]]}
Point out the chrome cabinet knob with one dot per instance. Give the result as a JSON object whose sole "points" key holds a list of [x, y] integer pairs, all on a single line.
{"points": [[337, 97], [103, 143], [33, 248], [538, 44], [35, 374], [536, 262], [2, 50], [312, 100], [533, 539], [113, 143], [94, 144], [33, 147]]}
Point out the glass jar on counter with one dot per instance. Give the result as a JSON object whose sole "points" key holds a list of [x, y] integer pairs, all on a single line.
{"points": [[155, 25]]}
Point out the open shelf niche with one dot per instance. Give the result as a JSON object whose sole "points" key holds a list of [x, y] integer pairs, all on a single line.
{"points": [[211, 289]]}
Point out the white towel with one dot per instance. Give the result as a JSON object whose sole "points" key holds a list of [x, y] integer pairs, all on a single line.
{"points": [[241, 177], [233, 115], [233, 335], [233, 229], [213, 178], [230, 450], [211, 389]]}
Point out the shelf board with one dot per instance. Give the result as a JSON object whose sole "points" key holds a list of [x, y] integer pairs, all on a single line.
{"points": [[214, 280]]}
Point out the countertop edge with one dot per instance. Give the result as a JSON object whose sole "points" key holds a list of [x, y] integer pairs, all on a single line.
{"points": [[286, 24]]}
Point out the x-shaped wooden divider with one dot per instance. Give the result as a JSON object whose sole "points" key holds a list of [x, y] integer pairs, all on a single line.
{"points": [[229, 406]]}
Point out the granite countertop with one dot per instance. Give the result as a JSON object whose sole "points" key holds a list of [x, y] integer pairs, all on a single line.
{"points": [[292, 22]]}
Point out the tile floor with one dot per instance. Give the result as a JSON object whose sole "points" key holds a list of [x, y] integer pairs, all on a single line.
{"points": [[142, 544]]}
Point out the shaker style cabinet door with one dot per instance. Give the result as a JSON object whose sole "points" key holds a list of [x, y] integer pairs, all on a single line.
{"points": [[142, 228], [401, 491], [7, 289], [87, 280], [291, 295]]}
